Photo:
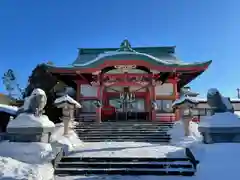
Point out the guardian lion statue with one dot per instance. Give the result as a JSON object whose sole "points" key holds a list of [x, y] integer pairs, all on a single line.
{"points": [[35, 103], [217, 102]]}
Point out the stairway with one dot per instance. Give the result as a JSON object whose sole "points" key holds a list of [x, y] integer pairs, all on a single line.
{"points": [[124, 166], [131, 131], [122, 131]]}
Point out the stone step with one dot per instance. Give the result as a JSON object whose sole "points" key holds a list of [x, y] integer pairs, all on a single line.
{"points": [[152, 165], [123, 129], [121, 134], [136, 121], [128, 140], [123, 125], [122, 159], [103, 136], [126, 171], [99, 131]]}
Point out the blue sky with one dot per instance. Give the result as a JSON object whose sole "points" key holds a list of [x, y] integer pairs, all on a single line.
{"points": [[33, 32]]}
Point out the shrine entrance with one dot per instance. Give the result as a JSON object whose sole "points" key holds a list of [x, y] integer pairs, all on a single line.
{"points": [[127, 105], [125, 94]]}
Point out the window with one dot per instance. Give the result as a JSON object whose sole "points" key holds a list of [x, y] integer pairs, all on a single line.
{"points": [[164, 106], [138, 105], [88, 106]]}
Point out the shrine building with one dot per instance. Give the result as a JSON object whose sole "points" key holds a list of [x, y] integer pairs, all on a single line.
{"points": [[128, 83]]}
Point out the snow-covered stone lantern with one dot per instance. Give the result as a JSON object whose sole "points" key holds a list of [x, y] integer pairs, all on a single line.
{"points": [[68, 106], [185, 104]]}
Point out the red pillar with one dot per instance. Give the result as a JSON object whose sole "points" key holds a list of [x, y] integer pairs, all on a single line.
{"points": [[177, 95], [99, 109], [78, 92], [153, 98]]}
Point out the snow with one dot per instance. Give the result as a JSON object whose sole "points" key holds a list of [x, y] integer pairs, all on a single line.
{"points": [[68, 99], [183, 99], [227, 103], [237, 113], [69, 142], [178, 137], [32, 161], [8, 109], [127, 149], [33, 153], [11, 169], [217, 161], [28, 161], [113, 53], [24, 120], [38, 91], [226, 119]]}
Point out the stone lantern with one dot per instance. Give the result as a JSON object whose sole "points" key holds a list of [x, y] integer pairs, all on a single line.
{"points": [[185, 104], [68, 106]]}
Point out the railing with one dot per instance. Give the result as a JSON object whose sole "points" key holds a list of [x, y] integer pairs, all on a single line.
{"points": [[170, 117], [58, 158], [191, 157], [4, 136], [86, 117]]}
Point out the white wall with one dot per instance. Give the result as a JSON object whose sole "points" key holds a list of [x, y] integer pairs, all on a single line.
{"points": [[164, 89], [88, 91]]}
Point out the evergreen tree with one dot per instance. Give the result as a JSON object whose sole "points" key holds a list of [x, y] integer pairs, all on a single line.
{"points": [[10, 82], [41, 78]]}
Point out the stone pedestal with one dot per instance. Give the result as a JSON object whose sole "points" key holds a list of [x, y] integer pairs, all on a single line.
{"points": [[98, 115], [30, 128], [186, 122], [220, 128]]}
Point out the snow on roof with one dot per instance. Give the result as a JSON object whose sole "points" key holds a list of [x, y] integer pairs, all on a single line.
{"points": [[8, 109], [226, 119], [68, 99], [113, 53], [184, 99]]}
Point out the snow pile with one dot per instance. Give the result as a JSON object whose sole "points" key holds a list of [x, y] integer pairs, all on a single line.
{"points": [[237, 113], [126, 149], [177, 134], [11, 169], [30, 120], [68, 99], [69, 142], [34, 153], [194, 141], [220, 162], [26, 161], [226, 119], [8, 109]]}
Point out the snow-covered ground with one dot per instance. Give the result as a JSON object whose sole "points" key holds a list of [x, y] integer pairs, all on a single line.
{"points": [[69, 143], [127, 149], [217, 161], [32, 161], [26, 161]]}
